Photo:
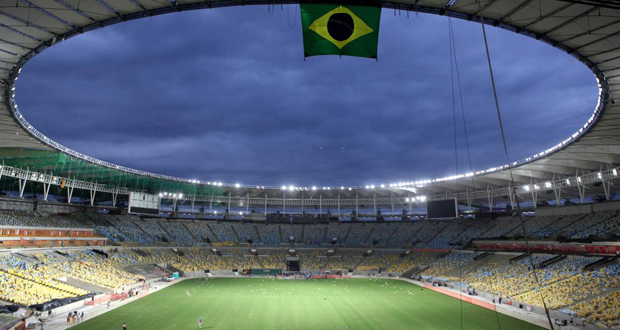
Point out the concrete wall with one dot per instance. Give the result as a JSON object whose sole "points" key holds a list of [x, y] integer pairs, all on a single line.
{"points": [[578, 209]]}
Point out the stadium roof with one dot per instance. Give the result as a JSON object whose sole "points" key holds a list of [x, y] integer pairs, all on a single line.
{"points": [[583, 164]]}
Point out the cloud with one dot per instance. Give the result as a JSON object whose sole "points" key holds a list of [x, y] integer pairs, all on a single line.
{"points": [[225, 95]]}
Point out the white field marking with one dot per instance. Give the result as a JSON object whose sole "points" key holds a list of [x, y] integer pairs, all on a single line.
{"points": [[186, 291]]}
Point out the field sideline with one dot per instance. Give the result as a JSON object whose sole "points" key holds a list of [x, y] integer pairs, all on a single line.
{"points": [[266, 303]]}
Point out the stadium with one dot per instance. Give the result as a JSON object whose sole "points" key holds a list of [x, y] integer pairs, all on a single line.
{"points": [[526, 244]]}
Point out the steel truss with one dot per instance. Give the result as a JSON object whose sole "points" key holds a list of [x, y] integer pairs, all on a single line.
{"points": [[557, 185], [48, 180]]}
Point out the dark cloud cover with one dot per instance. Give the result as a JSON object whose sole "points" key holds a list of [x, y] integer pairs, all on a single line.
{"points": [[226, 95]]}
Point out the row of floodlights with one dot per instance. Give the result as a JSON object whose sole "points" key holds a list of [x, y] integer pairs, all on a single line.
{"points": [[167, 195], [392, 185], [549, 184]]}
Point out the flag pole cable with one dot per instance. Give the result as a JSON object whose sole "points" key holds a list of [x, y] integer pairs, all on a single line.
{"points": [[456, 154], [512, 180]]}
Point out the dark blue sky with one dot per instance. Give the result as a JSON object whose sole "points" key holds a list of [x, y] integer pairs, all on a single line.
{"points": [[225, 95]]}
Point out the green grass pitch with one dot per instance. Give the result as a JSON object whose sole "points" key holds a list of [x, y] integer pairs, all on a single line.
{"points": [[261, 303]]}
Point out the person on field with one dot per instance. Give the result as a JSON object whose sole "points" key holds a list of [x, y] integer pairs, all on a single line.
{"points": [[124, 326], [200, 322]]}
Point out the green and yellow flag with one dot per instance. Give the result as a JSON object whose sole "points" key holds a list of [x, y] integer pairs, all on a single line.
{"points": [[340, 30]]}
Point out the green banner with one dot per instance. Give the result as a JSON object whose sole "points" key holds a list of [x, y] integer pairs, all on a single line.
{"points": [[340, 30]]}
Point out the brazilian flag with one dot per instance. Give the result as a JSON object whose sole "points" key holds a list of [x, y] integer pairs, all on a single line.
{"points": [[340, 30]]}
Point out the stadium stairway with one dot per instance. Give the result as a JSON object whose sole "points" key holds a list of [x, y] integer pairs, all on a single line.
{"points": [[28, 258], [235, 233], [543, 228], [387, 266], [437, 234], [368, 236], [519, 257], [260, 239], [415, 270], [568, 226], [217, 239], [196, 239], [141, 252], [324, 235], [458, 237], [145, 232], [468, 267], [414, 235], [162, 269], [60, 257], [387, 242], [280, 233], [600, 263], [553, 260], [85, 285], [173, 269], [344, 240], [518, 231], [257, 258], [486, 231], [572, 232], [302, 238], [164, 228]]}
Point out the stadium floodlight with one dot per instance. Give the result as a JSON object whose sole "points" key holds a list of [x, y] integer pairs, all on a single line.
{"points": [[165, 194], [350, 188], [527, 188], [341, 188], [215, 212], [536, 187], [240, 213], [313, 187], [372, 186], [181, 196], [614, 172], [382, 186], [548, 184], [237, 185], [579, 179], [567, 181], [175, 195], [219, 184], [367, 187], [283, 187], [161, 195], [599, 175], [407, 199]]}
